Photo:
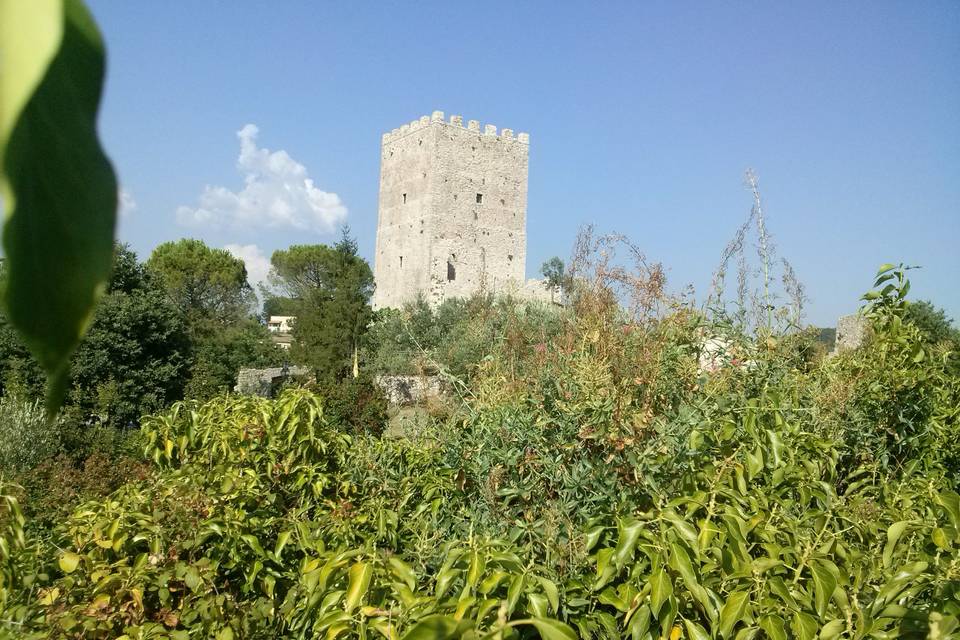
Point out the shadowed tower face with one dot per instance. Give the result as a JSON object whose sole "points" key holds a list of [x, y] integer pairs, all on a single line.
{"points": [[453, 211]]}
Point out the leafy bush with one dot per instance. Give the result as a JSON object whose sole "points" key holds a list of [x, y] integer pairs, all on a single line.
{"points": [[356, 405], [26, 437], [455, 337]]}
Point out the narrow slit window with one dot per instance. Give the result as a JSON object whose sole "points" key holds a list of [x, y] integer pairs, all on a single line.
{"points": [[404, 198], [479, 198], [451, 272], [401, 262]]}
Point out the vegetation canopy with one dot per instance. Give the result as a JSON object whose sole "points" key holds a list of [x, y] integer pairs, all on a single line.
{"points": [[594, 482]]}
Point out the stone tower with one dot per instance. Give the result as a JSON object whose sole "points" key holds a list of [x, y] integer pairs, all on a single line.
{"points": [[453, 209]]}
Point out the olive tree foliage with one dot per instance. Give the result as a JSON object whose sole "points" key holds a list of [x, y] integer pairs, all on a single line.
{"points": [[58, 188], [329, 290]]}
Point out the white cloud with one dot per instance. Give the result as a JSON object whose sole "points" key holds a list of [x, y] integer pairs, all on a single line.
{"points": [[258, 264], [125, 203], [277, 192]]}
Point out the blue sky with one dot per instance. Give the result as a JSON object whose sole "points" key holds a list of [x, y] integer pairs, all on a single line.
{"points": [[642, 118]]}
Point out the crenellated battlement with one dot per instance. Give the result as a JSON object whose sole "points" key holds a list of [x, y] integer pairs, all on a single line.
{"points": [[437, 118]]}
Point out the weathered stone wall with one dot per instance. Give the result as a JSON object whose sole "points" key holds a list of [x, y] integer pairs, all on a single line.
{"points": [[261, 382], [851, 332], [452, 217], [411, 390]]}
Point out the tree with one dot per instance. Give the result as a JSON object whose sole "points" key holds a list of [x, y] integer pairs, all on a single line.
{"points": [[137, 352], [219, 357], [554, 272], [208, 286], [933, 322], [133, 361], [331, 288], [278, 306]]}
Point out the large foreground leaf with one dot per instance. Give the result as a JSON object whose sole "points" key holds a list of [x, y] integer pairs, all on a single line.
{"points": [[58, 187]]}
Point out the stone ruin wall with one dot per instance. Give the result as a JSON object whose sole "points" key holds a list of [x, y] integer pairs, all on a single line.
{"points": [[452, 215], [263, 382], [851, 332], [405, 390]]}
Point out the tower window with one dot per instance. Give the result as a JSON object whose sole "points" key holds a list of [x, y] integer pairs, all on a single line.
{"points": [[401, 262], [479, 198], [404, 198], [451, 272], [510, 257]]}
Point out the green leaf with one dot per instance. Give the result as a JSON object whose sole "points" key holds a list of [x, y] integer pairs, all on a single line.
{"points": [[445, 579], [939, 537], [435, 627], [553, 629], [627, 540], [537, 604], [680, 560], [254, 543], [776, 447], [359, 581], [403, 571], [695, 631], [68, 562], [661, 588], [804, 626], [747, 633], [513, 593], [58, 187], [893, 535], [610, 597], [593, 537], [553, 595], [831, 630], [639, 623], [733, 611], [886, 266], [773, 626], [825, 583], [281, 543], [192, 579], [950, 500], [478, 562]]}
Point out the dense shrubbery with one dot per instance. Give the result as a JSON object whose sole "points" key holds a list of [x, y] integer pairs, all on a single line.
{"points": [[595, 483], [454, 337]]}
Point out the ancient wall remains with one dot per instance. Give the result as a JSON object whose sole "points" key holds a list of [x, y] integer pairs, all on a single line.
{"points": [[851, 332], [452, 214], [264, 382], [403, 390]]}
